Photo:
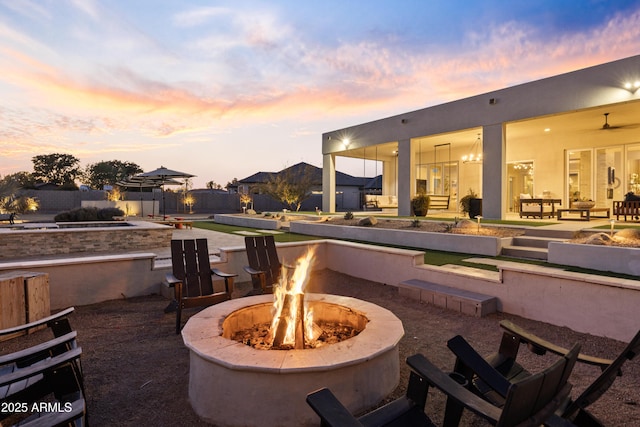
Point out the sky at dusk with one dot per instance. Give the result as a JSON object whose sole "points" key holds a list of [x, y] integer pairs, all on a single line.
{"points": [[224, 89]]}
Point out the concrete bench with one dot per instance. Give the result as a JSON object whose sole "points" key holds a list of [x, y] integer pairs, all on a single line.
{"points": [[466, 302]]}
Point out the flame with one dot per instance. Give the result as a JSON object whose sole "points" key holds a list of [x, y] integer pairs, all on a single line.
{"points": [[291, 287]]}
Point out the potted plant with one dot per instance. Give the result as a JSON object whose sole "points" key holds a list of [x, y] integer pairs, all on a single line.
{"points": [[420, 204], [471, 204]]}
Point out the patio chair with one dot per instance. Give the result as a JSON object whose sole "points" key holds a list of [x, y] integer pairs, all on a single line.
{"points": [[264, 265], [469, 363], [192, 277], [58, 324], [532, 400], [52, 384], [46, 372]]}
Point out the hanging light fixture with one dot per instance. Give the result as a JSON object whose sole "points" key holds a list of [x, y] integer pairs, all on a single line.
{"points": [[475, 155]]}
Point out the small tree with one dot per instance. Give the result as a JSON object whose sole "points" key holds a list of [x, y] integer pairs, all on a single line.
{"points": [[189, 200], [212, 185], [11, 200], [291, 186], [245, 199], [114, 195]]}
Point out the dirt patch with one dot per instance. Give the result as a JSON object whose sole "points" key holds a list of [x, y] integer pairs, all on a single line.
{"points": [[461, 227], [619, 239], [137, 368]]}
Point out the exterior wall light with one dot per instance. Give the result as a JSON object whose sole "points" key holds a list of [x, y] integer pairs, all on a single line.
{"points": [[632, 87], [346, 142]]}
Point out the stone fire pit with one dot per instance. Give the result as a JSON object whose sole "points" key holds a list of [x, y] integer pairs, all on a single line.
{"points": [[232, 384]]}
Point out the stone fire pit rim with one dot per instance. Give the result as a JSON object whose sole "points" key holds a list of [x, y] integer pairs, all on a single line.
{"points": [[203, 335]]}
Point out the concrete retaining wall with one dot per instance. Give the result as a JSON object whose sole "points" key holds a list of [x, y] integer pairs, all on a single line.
{"points": [[89, 280], [585, 303], [606, 258], [249, 221], [464, 243]]}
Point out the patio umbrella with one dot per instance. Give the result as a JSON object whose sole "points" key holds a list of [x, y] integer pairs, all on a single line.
{"points": [[163, 175], [144, 182]]}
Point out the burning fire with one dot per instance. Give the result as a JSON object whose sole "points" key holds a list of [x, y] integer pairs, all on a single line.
{"points": [[292, 323]]}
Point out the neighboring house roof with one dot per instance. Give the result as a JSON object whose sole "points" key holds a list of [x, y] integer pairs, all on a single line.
{"points": [[342, 179], [209, 190], [374, 183], [46, 186], [256, 178]]}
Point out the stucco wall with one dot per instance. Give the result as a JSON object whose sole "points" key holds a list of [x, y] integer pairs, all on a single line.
{"points": [[597, 305]]}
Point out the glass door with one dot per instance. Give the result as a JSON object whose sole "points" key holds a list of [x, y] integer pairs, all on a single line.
{"points": [[520, 181], [579, 175], [609, 168], [631, 180], [442, 179]]}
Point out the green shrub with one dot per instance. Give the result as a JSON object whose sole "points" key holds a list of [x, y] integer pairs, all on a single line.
{"points": [[348, 215], [88, 214], [63, 217], [107, 214]]}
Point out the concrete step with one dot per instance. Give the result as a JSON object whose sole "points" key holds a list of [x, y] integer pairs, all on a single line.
{"points": [[550, 233], [535, 241], [525, 252]]}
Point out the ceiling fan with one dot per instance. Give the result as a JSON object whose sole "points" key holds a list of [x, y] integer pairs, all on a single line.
{"points": [[607, 126]]}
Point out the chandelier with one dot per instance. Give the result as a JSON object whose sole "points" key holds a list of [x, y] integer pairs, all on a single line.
{"points": [[475, 155]]}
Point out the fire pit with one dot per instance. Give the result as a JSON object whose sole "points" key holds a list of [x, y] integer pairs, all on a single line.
{"points": [[233, 384]]}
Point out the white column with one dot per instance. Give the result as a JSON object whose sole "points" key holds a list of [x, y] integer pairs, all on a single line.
{"points": [[329, 183], [493, 171], [406, 177]]}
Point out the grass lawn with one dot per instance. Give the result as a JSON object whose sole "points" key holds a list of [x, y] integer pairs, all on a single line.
{"points": [[231, 229], [430, 257]]}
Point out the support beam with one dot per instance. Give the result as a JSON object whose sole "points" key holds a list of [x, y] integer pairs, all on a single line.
{"points": [[329, 183]]}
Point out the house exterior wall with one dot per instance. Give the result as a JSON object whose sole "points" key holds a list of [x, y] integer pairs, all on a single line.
{"points": [[578, 90]]}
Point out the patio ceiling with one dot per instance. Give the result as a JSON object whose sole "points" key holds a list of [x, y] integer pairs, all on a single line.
{"points": [[576, 128]]}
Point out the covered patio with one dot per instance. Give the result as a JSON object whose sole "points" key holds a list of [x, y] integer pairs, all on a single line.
{"points": [[572, 136]]}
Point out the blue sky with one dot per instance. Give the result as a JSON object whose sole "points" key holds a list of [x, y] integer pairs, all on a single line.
{"points": [[224, 89]]}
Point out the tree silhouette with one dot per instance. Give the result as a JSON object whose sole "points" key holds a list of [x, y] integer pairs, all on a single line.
{"points": [[56, 168]]}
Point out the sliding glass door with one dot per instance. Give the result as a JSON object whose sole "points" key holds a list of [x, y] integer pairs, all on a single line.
{"points": [[579, 175], [609, 168]]}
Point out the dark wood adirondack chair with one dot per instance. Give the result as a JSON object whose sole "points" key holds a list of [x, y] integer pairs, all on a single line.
{"points": [[264, 265], [45, 371], [504, 361], [528, 402], [43, 379], [192, 277], [58, 324], [64, 341]]}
